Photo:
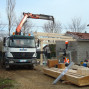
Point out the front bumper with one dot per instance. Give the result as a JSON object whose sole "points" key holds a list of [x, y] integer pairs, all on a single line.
{"points": [[10, 61]]}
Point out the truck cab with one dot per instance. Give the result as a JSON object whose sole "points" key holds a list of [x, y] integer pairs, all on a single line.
{"points": [[19, 50]]}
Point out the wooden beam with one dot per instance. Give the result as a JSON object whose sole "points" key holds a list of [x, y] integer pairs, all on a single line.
{"points": [[49, 42], [41, 55], [52, 35], [55, 36], [56, 39], [45, 34]]}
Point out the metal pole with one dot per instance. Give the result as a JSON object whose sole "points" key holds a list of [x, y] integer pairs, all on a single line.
{"points": [[62, 74]]}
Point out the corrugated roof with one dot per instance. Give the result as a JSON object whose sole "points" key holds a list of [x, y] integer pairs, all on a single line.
{"points": [[83, 36]]}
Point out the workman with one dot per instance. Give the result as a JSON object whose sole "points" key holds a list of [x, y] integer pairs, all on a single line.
{"points": [[47, 52], [66, 61]]}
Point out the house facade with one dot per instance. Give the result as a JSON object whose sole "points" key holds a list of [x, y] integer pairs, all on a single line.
{"points": [[78, 50]]}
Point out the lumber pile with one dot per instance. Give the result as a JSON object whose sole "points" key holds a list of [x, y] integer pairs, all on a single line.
{"points": [[83, 71], [61, 65], [76, 77], [75, 67], [54, 63]]}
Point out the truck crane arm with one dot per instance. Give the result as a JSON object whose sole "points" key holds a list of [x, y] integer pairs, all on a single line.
{"points": [[34, 16]]}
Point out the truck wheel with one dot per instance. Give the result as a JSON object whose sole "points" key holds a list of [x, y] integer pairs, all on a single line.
{"points": [[2, 61], [31, 67], [7, 67], [2, 64]]}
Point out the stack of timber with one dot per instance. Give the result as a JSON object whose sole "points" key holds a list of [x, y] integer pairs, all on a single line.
{"points": [[83, 71], [61, 65], [73, 76], [52, 63], [75, 67]]}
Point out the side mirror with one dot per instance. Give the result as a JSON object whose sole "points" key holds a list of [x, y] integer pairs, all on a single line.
{"points": [[4, 41], [38, 42]]}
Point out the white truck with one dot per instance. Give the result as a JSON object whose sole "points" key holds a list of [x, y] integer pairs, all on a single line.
{"points": [[19, 49]]}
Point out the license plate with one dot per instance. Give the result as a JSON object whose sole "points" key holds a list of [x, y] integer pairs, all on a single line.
{"points": [[23, 60]]}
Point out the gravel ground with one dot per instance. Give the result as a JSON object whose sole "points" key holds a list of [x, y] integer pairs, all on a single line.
{"points": [[34, 79]]}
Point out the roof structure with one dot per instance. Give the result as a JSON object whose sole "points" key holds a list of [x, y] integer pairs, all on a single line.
{"points": [[79, 36], [50, 38]]}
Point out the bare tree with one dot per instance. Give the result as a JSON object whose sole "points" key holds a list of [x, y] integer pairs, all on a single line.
{"points": [[10, 13], [2, 32], [76, 25], [0, 22], [26, 26], [51, 27]]}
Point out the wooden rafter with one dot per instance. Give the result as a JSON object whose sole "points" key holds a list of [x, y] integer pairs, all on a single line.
{"points": [[50, 38], [56, 39], [55, 35], [46, 34]]}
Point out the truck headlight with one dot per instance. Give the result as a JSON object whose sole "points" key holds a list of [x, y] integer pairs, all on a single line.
{"points": [[11, 61], [34, 61]]}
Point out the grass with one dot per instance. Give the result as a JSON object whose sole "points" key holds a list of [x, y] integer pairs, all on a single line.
{"points": [[6, 83]]}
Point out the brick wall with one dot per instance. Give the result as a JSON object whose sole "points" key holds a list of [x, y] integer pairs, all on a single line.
{"points": [[79, 50], [72, 47], [83, 50]]}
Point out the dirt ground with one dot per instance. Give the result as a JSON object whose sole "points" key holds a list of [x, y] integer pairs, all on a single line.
{"points": [[34, 79]]}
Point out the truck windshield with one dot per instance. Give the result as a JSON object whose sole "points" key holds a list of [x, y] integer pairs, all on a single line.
{"points": [[26, 43]]}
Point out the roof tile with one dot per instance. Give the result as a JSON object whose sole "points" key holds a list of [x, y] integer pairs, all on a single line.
{"points": [[79, 35]]}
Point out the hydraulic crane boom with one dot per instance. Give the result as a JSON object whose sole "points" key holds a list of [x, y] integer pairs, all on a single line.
{"points": [[34, 16]]}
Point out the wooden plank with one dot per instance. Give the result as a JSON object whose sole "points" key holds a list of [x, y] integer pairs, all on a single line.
{"points": [[52, 63], [80, 81], [83, 71], [74, 74], [55, 36], [46, 34], [56, 39], [61, 65], [53, 74], [84, 81], [52, 35], [49, 42], [74, 78], [41, 55]]}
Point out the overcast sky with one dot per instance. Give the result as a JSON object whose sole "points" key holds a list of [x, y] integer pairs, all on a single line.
{"points": [[62, 10]]}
